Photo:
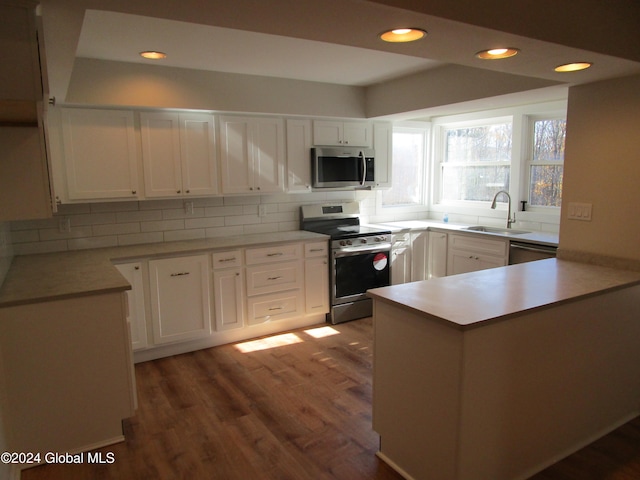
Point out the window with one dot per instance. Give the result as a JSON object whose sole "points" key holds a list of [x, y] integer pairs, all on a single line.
{"points": [[476, 161], [546, 165], [409, 160]]}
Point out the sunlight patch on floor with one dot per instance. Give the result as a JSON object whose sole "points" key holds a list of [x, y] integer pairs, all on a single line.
{"points": [[321, 332], [269, 342]]}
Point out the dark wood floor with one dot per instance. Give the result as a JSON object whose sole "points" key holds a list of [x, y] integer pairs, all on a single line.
{"points": [[300, 410]]}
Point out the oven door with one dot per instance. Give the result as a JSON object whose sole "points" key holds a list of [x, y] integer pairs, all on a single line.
{"points": [[356, 271]]}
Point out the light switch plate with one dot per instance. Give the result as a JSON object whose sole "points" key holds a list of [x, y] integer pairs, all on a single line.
{"points": [[579, 211]]}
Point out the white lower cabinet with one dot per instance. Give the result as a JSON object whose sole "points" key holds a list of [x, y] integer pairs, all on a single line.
{"points": [[470, 254], [400, 258], [180, 298], [136, 314], [437, 255], [223, 296], [419, 255], [228, 290], [316, 277]]}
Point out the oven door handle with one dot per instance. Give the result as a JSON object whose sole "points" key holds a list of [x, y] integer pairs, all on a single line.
{"points": [[351, 251]]}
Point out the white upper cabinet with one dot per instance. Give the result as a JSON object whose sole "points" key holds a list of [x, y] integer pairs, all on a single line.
{"points": [[100, 154], [383, 148], [179, 154], [252, 151], [299, 143], [353, 134]]}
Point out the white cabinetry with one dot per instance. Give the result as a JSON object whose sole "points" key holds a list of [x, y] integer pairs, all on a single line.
{"points": [[180, 298], [252, 154], [179, 154], [437, 255], [100, 154], [468, 253], [355, 134], [275, 279], [419, 255], [316, 277], [383, 147], [299, 143], [401, 258], [136, 312], [228, 290]]}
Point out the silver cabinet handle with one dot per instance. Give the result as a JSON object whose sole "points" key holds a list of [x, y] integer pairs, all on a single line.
{"points": [[277, 254], [180, 274], [316, 249], [230, 259], [274, 278], [275, 308]]}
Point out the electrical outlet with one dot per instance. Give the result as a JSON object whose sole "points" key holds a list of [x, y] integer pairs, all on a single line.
{"points": [[188, 207], [262, 210], [64, 226], [579, 211]]}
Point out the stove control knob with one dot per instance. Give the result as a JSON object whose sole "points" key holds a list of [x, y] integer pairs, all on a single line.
{"points": [[342, 243], [348, 242], [363, 240]]}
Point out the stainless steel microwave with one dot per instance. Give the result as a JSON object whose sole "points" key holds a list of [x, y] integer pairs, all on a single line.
{"points": [[333, 167]]}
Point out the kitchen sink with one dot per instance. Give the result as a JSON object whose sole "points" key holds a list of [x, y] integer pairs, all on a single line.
{"points": [[498, 230]]}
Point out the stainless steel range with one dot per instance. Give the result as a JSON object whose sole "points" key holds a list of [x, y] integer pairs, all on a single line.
{"points": [[360, 257]]}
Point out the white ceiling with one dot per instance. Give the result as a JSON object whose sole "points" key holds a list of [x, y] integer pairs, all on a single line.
{"points": [[120, 37]]}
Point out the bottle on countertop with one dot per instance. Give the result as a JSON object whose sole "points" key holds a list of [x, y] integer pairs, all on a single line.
{"points": [[445, 218]]}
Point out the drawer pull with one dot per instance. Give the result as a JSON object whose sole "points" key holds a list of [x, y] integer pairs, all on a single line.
{"points": [[230, 259], [275, 278], [275, 308], [276, 254], [180, 274], [316, 249]]}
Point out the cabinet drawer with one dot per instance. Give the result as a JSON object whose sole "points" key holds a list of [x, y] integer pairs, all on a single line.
{"points": [[276, 253], [316, 249], [232, 258], [274, 278], [266, 308], [478, 245]]}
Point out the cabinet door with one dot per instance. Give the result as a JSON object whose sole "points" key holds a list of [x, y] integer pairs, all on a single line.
{"points": [[228, 298], [161, 154], [137, 313], [267, 145], [316, 285], [198, 154], [180, 298], [419, 255], [357, 134], [299, 143], [236, 164], [437, 258], [462, 261], [400, 266], [327, 132], [101, 159], [383, 147]]}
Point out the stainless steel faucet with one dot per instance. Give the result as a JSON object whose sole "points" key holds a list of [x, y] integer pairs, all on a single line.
{"points": [[493, 206]]}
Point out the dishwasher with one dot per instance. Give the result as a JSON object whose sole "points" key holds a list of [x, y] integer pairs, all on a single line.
{"points": [[520, 252]]}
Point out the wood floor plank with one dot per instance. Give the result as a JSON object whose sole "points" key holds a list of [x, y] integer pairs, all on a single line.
{"points": [[299, 411]]}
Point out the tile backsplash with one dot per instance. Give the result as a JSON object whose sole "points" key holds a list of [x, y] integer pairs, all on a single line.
{"points": [[108, 224]]}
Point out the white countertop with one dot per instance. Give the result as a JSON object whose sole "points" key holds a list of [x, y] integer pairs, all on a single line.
{"points": [[537, 237], [473, 299], [51, 276]]}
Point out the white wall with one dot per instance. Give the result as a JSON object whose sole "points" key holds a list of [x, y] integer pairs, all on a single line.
{"points": [[602, 167], [97, 82]]}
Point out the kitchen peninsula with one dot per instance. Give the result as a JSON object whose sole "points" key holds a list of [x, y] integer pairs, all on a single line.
{"points": [[500, 373]]}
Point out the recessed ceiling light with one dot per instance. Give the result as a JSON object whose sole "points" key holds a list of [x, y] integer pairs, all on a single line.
{"points": [[152, 55], [573, 67], [403, 35], [497, 53]]}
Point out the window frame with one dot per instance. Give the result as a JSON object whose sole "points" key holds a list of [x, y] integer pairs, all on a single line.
{"points": [[522, 131]]}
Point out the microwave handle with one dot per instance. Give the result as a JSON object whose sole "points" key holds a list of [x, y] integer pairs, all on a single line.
{"points": [[364, 168]]}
